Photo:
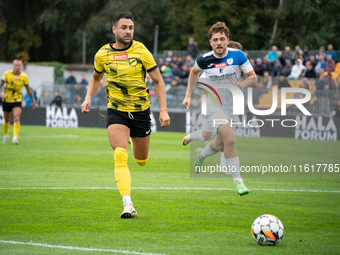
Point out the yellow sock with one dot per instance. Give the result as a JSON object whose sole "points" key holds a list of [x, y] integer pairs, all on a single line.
{"points": [[6, 128], [122, 173], [141, 162], [16, 129]]}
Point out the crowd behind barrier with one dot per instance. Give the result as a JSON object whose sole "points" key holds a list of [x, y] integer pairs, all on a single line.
{"points": [[318, 71]]}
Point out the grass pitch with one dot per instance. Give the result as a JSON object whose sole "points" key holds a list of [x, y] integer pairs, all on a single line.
{"points": [[58, 196]]}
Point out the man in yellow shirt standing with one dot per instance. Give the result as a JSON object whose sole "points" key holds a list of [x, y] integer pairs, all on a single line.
{"points": [[12, 97], [125, 63]]}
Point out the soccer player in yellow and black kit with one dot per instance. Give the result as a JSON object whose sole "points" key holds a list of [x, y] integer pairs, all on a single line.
{"points": [[12, 97], [125, 63]]}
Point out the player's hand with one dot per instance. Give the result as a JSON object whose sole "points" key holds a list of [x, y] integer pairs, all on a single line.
{"points": [[3, 95], [238, 84], [34, 105], [164, 119], [186, 102], [85, 107]]}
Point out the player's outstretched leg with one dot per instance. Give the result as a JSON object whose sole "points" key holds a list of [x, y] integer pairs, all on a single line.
{"points": [[123, 180], [201, 154], [201, 135]]}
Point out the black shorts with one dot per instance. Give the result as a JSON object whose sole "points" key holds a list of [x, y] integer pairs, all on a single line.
{"points": [[8, 107], [139, 123]]}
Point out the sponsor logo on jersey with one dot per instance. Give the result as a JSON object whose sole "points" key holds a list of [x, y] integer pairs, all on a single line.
{"points": [[226, 75], [230, 61], [120, 56], [220, 65], [17, 77]]}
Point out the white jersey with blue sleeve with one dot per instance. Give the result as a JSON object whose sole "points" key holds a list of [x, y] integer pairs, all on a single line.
{"points": [[222, 70]]}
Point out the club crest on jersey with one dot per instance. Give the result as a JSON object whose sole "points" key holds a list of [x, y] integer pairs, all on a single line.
{"points": [[120, 56], [133, 61], [230, 61], [220, 65]]}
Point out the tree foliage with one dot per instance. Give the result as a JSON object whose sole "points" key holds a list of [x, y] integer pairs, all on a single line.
{"points": [[51, 30]]}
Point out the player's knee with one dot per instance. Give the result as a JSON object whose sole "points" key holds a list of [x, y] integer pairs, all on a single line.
{"points": [[206, 135], [231, 141], [141, 162]]}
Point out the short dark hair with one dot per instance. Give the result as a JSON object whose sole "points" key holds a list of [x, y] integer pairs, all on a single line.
{"points": [[122, 15], [217, 28]]}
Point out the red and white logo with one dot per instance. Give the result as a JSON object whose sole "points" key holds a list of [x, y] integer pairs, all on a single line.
{"points": [[120, 56], [220, 65]]}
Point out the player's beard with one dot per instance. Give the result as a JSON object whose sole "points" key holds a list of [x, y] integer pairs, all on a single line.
{"points": [[122, 40]]}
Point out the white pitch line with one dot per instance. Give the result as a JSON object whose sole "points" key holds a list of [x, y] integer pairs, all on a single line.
{"points": [[79, 248], [168, 188]]}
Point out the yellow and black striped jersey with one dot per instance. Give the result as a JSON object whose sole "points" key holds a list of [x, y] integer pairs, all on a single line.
{"points": [[126, 70], [14, 84]]}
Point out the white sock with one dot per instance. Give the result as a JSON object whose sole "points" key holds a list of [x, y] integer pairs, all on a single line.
{"points": [[197, 135], [126, 200], [15, 138], [234, 168], [207, 151]]}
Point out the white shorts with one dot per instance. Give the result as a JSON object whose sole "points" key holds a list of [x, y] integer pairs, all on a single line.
{"points": [[206, 126], [217, 116]]}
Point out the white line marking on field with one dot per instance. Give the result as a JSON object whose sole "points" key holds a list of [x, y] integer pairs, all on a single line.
{"points": [[78, 248], [169, 188]]}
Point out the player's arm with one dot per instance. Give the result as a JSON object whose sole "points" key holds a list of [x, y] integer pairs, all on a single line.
{"points": [[94, 85], [30, 94], [193, 77], [2, 94], [250, 81], [156, 76]]}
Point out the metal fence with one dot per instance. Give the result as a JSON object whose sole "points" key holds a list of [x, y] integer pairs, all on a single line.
{"points": [[321, 103], [252, 54]]}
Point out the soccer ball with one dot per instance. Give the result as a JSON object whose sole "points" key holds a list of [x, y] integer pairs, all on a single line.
{"points": [[267, 230]]}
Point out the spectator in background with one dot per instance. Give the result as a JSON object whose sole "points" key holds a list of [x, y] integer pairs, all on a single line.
{"points": [[180, 61], [192, 48], [287, 69], [71, 79], [280, 58], [298, 50], [302, 57], [296, 56], [189, 60], [83, 80], [306, 53], [312, 60], [320, 53], [170, 56], [332, 52], [272, 55], [266, 81], [297, 70], [277, 68], [336, 111], [252, 62], [283, 83], [70, 83], [185, 72], [320, 65], [287, 54], [57, 101], [321, 83], [267, 66], [28, 100], [160, 63], [166, 72], [331, 84], [330, 65], [258, 67], [175, 71], [309, 71]]}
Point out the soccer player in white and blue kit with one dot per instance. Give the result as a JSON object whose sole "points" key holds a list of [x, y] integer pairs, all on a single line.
{"points": [[222, 65]]}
